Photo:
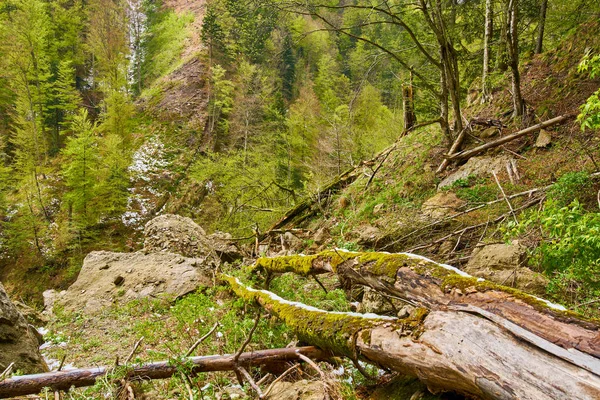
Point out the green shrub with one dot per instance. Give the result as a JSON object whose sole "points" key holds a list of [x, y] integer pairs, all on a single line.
{"points": [[569, 251], [569, 187]]}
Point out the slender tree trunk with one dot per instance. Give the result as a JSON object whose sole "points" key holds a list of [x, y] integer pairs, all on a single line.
{"points": [[501, 54], [541, 27], [513, 55], [487, 40], [408, 105], [444, 118]]}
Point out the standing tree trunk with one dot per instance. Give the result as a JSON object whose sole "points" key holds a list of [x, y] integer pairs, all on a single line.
{"points": [[408, 105], [449, 72], [512, 44], [487, 40], [541, 27]]}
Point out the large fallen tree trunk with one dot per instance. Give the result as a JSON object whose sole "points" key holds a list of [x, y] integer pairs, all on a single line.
{"points": [[64, 380], [470, 153], [468, 335]]}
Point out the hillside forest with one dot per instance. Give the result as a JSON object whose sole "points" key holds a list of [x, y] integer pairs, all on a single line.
{"points": [[299, 127]]}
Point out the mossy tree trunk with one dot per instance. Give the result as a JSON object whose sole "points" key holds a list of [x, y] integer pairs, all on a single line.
{"points": [[467, 335]]}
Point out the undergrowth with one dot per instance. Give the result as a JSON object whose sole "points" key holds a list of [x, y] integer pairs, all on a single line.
{"points": [[565, 238]]}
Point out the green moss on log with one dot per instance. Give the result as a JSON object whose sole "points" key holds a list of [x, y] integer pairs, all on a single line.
{"points": [[299, 264], [334, 331], [387, 265]]}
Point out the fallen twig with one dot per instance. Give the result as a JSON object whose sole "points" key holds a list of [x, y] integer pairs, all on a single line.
{"points": [[135, 347], [280, 377], [250, 380], [470, 153], [510, 207], [472, 227], [7, 371], [202, 339]]}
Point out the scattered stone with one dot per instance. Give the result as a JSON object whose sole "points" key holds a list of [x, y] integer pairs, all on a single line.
{"points": [[405, 311], [233, 393], [320, 235], [301, 390], [477, 166], [368, 235], [18, 340], [446, 247], [505, 264], [50, 297], [290, 242], [544, 139], [152, 275], [119, 280], [378, 209], [489, 132], [224, 246], [442, 205]]}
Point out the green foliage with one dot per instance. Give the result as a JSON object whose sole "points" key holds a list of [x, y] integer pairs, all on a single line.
{"points": [[80, 170], [570, 187], [589, 118], [220, 104], [569, 249], [167, 34]]}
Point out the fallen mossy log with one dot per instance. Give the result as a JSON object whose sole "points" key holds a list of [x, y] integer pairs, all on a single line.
{"points": [[451, 349], [64, 380], [426, 283]]}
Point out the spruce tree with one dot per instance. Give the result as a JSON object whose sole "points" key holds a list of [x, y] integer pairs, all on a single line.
{"points": [[80, 171]]}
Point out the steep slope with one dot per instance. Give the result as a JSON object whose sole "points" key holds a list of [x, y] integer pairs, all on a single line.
{"points": [[398, 203]]}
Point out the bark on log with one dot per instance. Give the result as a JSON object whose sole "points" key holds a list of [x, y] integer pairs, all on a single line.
{"points": [[455, 348], [64, 380], [437, 286], [470, 153]]}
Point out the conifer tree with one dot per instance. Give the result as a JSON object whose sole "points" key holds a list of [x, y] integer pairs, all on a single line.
{"points": [[113, 183], [64, 101], [80, 171]]}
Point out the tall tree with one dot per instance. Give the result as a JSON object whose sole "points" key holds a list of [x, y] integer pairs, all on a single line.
{"points": [[80, 171], [64, 101], [487, 43], [512, 41], [541, 27]]}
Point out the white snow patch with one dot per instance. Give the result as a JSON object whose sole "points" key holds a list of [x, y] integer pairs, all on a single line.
{"points": [[274, 297]]}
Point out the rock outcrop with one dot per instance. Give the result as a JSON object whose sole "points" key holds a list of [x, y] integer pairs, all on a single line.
{"points": [[107, 277], [476, 167], [181, 235], [505, 264], [442, 205], [18, 340]]}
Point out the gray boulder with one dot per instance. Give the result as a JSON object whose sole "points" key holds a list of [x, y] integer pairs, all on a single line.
{"points": [[505, 264], [18, 340], [108, 277], [181, 235]]}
